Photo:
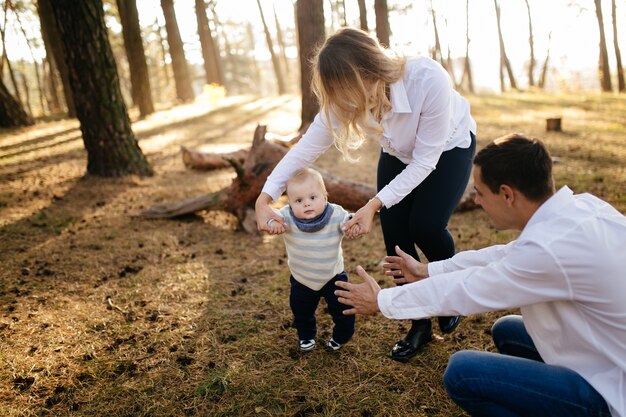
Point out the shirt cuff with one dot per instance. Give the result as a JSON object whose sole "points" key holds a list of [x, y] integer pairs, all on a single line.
{"points": [[400, 312], [385, 197], [435, 268], [384, 302], [273, 190]]}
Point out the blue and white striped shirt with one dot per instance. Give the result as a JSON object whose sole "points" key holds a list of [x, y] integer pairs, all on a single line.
{"points": [[315, 258]]}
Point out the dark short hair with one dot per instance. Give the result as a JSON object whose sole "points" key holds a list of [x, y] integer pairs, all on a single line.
{"points": [[519, 162]]}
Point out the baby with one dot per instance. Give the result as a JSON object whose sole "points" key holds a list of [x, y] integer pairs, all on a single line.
{"points": [[313, 235]]}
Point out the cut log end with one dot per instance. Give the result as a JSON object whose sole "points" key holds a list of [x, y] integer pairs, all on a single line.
{"points": [[553, 124]]}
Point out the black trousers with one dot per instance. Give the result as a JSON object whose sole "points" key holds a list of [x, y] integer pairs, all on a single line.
{"points": [[304, 301], [421, 218]]}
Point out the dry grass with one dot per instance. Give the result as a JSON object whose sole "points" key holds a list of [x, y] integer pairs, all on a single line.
{"points": [[102, 314]]}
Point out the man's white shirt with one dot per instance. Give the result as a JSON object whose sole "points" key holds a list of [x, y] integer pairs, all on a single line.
{"points": [[566, 272]]}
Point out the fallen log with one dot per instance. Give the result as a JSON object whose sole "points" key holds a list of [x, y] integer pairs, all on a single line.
{"points": [[252, 171], [240, 196]]}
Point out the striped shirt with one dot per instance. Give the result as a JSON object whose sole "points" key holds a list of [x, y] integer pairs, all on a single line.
{"points": [[315, 258]]}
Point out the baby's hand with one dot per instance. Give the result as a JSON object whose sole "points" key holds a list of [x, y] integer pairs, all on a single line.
{"points": [[275, 227]]}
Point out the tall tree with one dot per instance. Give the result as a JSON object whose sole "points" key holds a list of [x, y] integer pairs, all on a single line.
{"points": [[12, 112], [531, 43], [310, 23], [133, 44], [603, 62], [618, 55], [504, 59], [280, 80], [210, 55], [182, 80], [383, 31], [544, 67], [467, 66], [112, 149], [29, 43], [281, 43], [363, 15], [56, 51]]}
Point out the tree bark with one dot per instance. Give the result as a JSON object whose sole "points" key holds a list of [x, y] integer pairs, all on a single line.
{"points": [[112, 149], [382, 21], [311, 34], [280, 80], [467, 67], [531, 44], [618, 55], [182, 80], [133, 44], [544, 67], [12, 114], [603, 63], [504, 59], [54, 46], [212, 69], [363, 15], [281, 44]]}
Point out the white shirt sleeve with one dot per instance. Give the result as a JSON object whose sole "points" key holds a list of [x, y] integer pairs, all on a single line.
{"points": [[312, 144], [528, 274], [469, 258], [430, 139]]}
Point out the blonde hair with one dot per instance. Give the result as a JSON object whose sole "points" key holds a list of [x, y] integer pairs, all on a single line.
{"points": [[351, 77], [303, 174]]}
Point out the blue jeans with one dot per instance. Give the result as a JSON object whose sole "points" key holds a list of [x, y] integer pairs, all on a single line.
{"points": [[516, 382]]}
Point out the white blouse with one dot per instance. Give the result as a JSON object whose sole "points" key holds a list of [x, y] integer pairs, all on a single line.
{"points": [[567, 274], [427, 117]]}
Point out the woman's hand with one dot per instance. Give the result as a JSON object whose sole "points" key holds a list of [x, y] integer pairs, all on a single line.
{"points": [[361, 222], [404, 268], [267, 220]]}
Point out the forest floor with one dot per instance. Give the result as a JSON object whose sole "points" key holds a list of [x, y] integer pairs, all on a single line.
{"points": [[106, 314]]}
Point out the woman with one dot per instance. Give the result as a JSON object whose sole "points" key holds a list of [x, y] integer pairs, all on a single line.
{"points": [[427, 136]]}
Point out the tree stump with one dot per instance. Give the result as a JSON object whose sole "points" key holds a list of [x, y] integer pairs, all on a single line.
{"points": [[553, 124]]}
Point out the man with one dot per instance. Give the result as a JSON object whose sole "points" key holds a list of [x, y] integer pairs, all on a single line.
{"points": [[566, 354]]}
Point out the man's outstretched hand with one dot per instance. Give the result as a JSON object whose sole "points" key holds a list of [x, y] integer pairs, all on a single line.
{"points": [[404, 268], [361, 297]]}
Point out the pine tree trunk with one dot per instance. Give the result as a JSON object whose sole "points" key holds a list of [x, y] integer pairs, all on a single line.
{"points": [[12, 113], [52, 40], [281, 44], [112, 149], [604, 70], [280, 80], [467, 67], [212, 69], [310, 23], [544, 67], [618, 55], [363, 15], [382, 21], [531, 44], [184, 91], [504, 59], [133, 43], [54, 103]]}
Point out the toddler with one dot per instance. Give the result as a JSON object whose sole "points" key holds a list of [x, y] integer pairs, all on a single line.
{"points": [[312, 233]]}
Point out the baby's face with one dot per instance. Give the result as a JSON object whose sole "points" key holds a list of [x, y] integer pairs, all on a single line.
{"points": [[306, 199]]}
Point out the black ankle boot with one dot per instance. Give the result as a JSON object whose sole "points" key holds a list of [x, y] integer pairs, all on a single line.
{"points": [[447, 324], [419, 335]]}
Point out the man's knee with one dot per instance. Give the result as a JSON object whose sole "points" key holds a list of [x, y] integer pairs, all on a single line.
{"points": [[461, 365]]}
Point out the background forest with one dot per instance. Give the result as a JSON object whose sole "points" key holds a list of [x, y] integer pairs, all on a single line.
{"points": [[106, 312]]}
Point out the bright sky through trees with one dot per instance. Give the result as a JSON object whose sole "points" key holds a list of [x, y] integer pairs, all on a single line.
{"points": [[574, 45]]}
